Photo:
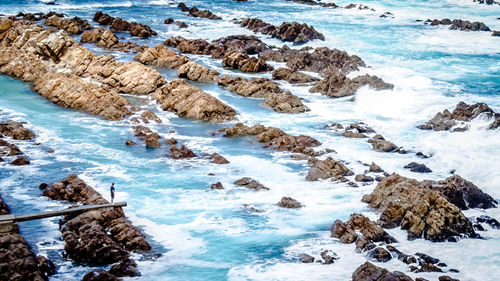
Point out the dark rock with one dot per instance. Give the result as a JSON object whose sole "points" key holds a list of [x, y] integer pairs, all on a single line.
{"points": [[374, 168], [218, 159], [447, 278], [16, 131], [217, 185], [427, 258], [130, 142], [20, 161], [126, 267], [46, 266], [169, 21], [370, 272], [488, 220], [182, 152], [305, 258], [43, 186], [328, 257], [417, 168], [379, 254], [288, 202], [363, 178], [293, 76], [99, 275], [250, 183]]}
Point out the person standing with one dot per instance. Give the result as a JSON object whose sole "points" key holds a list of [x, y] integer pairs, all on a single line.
{"points": [[112, 190]]}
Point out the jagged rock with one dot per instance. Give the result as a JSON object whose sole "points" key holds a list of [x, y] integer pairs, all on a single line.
{"points": [[73, 26], [462, 25], [423, 212], [161, 56], [328, 257], [363, 178], [287, 31], [104, 38], [374, 168], [488, 220], [321, 60], [444, 121], [293, 76], [171, 141], [126, 267], [99, 275], [46, 266], [328, 168], [197, 72], [103, 18], [250, 45], [217, 185], [181, 153], [191, 102], [383, 145], [250, 183], [218, 159], [417, 168], [361, 230], [16, 131], [194, 12], [190, 46], [370, 272], [148, 115], [337, 85], [245, 63], [305, 258], [275, 97], [20, 161], [379, 254], [119, 25], [288, 202]]}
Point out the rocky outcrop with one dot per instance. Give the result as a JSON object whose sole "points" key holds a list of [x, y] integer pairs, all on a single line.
{"points": [[72, 26], [181, 152], [119, 25], [336, 84], [275, 97], [245, 63], [104, 38], [17, 261], [290, 203], [315, 3], [218, 159], [197, 72], [293, 76], [161, 56], [15, 130], [287, 31], [360, 230], [69, 90], [250, 45], [152, 139], [417, 168], [274, 138], [191, 102], [458, 24], [328, 168], [370, 272], [250, 184], [98, 237], [195, 12], [456, 120], [423, 212], [320, 60], [190, 46]]}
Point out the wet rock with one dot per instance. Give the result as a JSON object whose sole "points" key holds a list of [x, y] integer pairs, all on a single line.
{"points": [[462, 193], [250, 183], [288, 202], [126, 267], [171, 141], [423, 212], [217, 185], [120, 25], [328, 168], [16, 131], [287, 31], [130, 143], [250, 45], [379, 254], [20, 161], [293, 76], [488, 220], [417, 168], [99, 275], [161, 56], [197, 72], [321, 60], [462, 25], [191, 102], [275, 97], [351, 134], [152, 140], [363, 178], [150, 116], [195, 12], [427, 258], [374, 168], [446, 120], [190, 46], [218, 159], [245, 63], [104, 38], [328, 257], [361, 230], [181, 24], [72, 26], [46, 266], [447, 278], [305, 258], [370, 272], [383, 145], [103, 18], [336, 84], [181, 153], [168, 21]]}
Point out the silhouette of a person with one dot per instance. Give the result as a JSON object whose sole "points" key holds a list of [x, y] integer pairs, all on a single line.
{"points": [[112, 190]]}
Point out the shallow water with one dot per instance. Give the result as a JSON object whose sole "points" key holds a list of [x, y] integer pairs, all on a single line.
{"points": [[210, 235]]}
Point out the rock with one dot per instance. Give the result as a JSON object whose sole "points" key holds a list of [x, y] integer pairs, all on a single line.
{"points": [[194, 12], [104, 38], [191, 102], [161, 56], [126, 267], [287, 31], [355, 135], [417, 168], [328, 257], [99, 236], [379, 254], [374, 168], [321, 60], [423, 212], [99, 275], [46, 266], [217, 185], [462, 25], [447, 278], [103, 18], [250, 183], [20, 161], [305, 258], [181, 24], [169, 21], [328, 168], [181, 153], [336, 84], [218, 159], [171, 141], [293, 76], [72, 26], [275, 97], [191, 46], [370, 272], [243, 62], [250, 45], [16, 131], [288, 202], [43, 186], [464, 194], [488, 220], [197, 72], [361, 230], [495, 33], [152, 140], [444, 121], [383, 145], [149, 115], [363, 178], [120, 25]]}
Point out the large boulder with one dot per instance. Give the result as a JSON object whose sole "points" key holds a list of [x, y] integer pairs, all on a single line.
{"points": [[16, 131], [328, 168], [370, 272], [161, 56], [72, 26], [197, 72]]}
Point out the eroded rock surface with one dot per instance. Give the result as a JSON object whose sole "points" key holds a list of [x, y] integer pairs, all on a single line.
{"points": [[370, 272], [287, 31]]}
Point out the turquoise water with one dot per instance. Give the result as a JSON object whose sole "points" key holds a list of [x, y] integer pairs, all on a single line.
{"points": [[211, 235]]}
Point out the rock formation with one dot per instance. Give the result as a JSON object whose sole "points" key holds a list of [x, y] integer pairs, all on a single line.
{"points": [[104, 38], [458, 24], [287, 31], [370, 272], [293, 76], [119, 25], [195, 12]]}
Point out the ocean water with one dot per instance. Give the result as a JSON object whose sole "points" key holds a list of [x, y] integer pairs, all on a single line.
{"points": [[213, 235]]}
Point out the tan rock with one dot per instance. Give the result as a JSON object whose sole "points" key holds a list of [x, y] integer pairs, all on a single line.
{"points": [[161, 56]]}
